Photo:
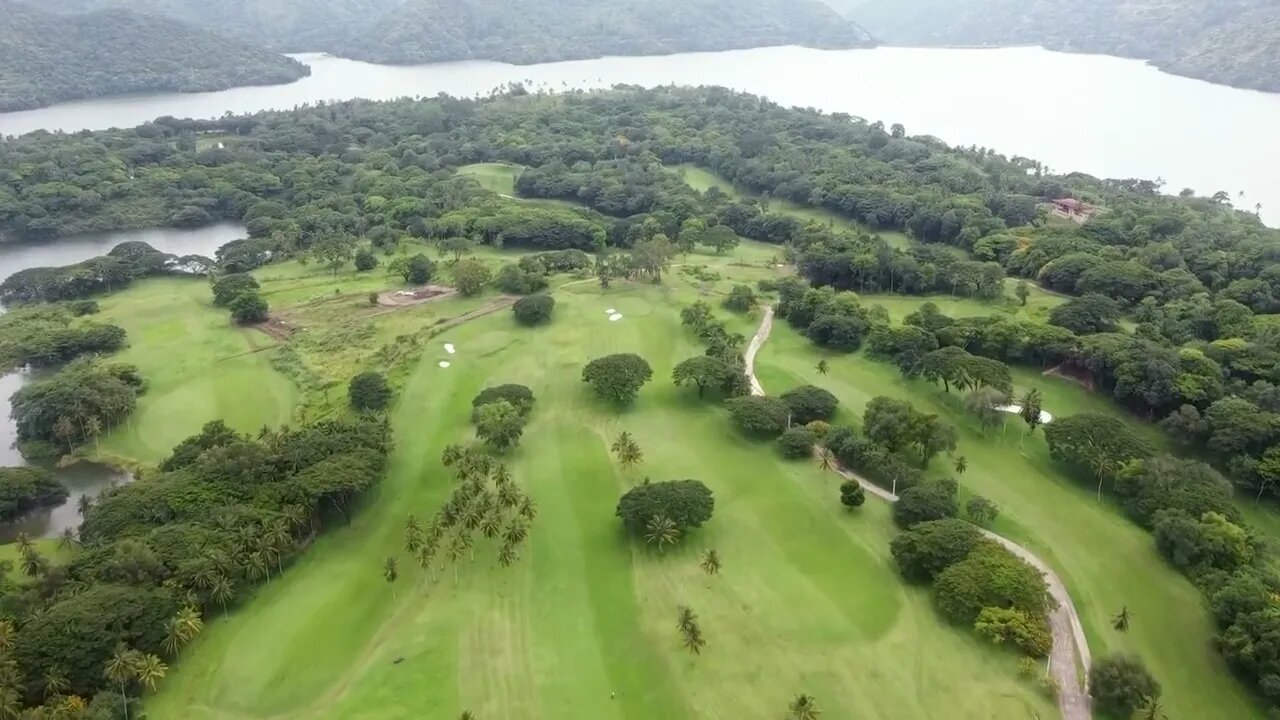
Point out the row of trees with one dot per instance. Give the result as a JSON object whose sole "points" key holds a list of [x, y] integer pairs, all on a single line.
{"points": [[49, 335], [123, 264], [223, 513]]}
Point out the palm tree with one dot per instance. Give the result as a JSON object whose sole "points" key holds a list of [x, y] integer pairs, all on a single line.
{"points": [[466, 715], [10, 703], [693, 641], [528, 508], [491, 525], [120, 669], [92, 427], [804, 707], [627, 450], [961, 464], [68, 539], [826, 460], [32, 562], [711, 562], [55, 682], [507, 554], [84, 504], [823, 367], [64, 430], [256, 566], [474, 515], [1030, 404], [391, 573], [1120, 621], [6, 635], [516, 532], [149, 670], [173, 637], [661, 531], [24, 542], [457, 549], [1152, 710], [222, 591], [508, 496], [189, 623], [412, 535], [451, 455], [501, 475]]}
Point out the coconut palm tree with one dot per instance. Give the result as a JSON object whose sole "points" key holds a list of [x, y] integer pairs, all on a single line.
{"points": [[149, 670], [120, 669], [500, 475], [55, 682], [457, 550], [1030, 408], [173, 637], [190, 623], [473, 516], [826, 459], [67, 540], [627, 450], [1152, 710], [467, 715], [391, 572], [528, 508], [1120, 621], [6, 635], [92, 428], [804, 707], [64, 429], [32, 562], [10, 703], [256, 567], [491, 525], [507, 554], [451, 455], [84, 504], [711, 562], [413, 537], [661, 531], [516, 532], [823, 367], [222, 591], [961, 464]]}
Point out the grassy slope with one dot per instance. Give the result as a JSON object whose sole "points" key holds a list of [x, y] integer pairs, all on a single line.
{"points": [[198, 368], [1106, 561], [807, 602], [51, 548]]}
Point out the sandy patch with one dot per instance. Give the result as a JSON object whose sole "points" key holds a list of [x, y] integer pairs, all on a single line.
{"points": [[444, 363], [1045, 417], [615, 317]]}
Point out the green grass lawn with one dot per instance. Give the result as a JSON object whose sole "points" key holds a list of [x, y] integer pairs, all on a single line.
{"points": [[197, 365], [498, 177], [51, 548], [703, 180], [584, 624], [1106, 561], [1039, 303]]}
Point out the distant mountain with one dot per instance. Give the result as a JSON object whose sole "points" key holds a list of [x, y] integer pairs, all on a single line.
{"points": [[1233, 42], [47, 58], [518, 31]]}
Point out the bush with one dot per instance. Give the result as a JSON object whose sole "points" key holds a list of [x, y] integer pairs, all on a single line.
{"points": [[248, 308], [687, 503], [981, 511], [516, 280], [419, 270], [797, 443], [930, 547], [617, 378], [369, 391], [533, 310], [365, 261], [767, 285], [764, 416], [1029, 632], [989, 576], [852, 495], [80, 308], [229, 287], [520, 397], [500, 424], [741, 299], [470, 276], [809, 403], [930, 500], [1120, 684]]}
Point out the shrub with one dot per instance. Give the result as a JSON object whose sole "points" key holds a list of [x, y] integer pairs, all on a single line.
{"points": [[617, 378], [1120, 684], [1027, 668], [687, 503], [741, 299], [809, 403], [989, 576], [930, 547], [470, 276], [797, 443], [533, 310], [764, 416], [248, 308], [851, 494], [930, 500], [981, 511], [500, 424], [365, 261], [80, 308], [1029, 632], [516, 280], [767, 285], [369, 391], [229, 287]]}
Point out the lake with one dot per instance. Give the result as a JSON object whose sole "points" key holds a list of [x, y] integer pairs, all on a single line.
{"points": [[1106, 116], [83, 478]]}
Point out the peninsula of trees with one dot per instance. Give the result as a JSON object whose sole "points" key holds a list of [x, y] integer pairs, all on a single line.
{"points": [[1232, 43], [47, 58], [517, 31]]}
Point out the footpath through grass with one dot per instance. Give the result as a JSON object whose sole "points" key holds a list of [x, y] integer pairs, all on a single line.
{"points": [[1106, 561], [584, 624]]}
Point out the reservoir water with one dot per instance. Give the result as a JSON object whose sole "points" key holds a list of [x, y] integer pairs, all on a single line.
{"points": [[82, 478], [1105, 116]]}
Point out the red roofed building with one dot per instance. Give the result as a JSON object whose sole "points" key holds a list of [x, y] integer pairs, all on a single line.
{"points": [[1073, 209]]}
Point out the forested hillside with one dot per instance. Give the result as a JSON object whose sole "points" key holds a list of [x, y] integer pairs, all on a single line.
{"points": [[47, 58], [519, 31], [1234, 42]]}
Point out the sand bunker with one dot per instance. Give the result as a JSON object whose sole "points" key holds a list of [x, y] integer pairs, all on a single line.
{"points": [[610, 311], [615, 317], [1045, 417], [444, 363], [448, 347]]}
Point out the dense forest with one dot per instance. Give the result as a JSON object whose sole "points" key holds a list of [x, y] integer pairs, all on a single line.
{"points": [[1171, 306], [518, 31], [47, 58], [1234, 42]]}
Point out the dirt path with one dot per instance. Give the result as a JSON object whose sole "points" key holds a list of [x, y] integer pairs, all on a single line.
{"points": [[1068, 634]]}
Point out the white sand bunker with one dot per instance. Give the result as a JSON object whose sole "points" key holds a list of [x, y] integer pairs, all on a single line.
{"points": [[448, 347], [610, 311], [1045, 417], [615, 317], [444, 363]]}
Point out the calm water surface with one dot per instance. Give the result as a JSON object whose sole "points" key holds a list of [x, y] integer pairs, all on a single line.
{"points": [[1106, 116], [82, 478]]}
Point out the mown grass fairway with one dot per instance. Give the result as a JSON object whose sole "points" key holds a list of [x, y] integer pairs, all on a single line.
{"points": [[1106, 561], [198, 367], [584, 624]]}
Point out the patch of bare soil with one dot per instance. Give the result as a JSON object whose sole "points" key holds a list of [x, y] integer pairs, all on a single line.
{"points": [[415, 296]]}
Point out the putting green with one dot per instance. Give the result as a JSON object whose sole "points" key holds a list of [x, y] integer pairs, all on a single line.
{"points": [[584, 624]]}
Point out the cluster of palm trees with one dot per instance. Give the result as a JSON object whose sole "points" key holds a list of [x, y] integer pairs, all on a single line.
{"points": [[67, 432], [486, 501], [691, 631], [125, 666], [259, 549], [31, 562], [627, 450]]}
